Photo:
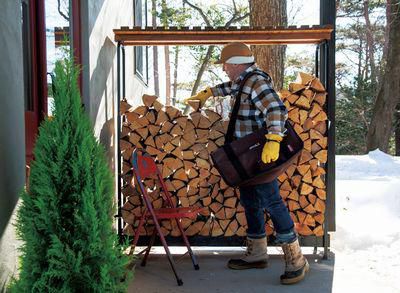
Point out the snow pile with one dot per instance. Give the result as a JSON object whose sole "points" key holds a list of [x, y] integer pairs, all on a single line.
{"points": [[376, 165], [367, 237]]}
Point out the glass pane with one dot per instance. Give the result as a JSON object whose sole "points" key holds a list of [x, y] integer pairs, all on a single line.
{"points": [[57, 34], [138, 12], [141, 53]]}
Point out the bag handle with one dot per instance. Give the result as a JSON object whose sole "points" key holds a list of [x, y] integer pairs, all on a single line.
{"points": [[236, 106]]}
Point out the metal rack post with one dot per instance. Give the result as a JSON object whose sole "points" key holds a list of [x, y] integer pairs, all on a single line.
{"points": [[120, 49], [330, 147], [117, 143], [123, 74], [317, 48], [328, 17]]}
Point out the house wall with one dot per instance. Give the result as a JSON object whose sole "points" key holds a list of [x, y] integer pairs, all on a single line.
{"points": [[12, 131], [100, 66], [99, 72]]}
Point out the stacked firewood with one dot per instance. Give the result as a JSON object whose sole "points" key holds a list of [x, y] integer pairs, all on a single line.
{"points": [[181, 146], [303, 186]]}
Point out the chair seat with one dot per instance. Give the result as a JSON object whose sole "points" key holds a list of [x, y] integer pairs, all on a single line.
{"points": [[167, 213]]}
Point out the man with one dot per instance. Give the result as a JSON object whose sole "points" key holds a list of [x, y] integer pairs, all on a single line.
{"points": [[260, 106]]}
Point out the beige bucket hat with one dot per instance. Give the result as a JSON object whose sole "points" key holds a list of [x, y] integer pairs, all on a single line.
{"points": [[236, 53]]}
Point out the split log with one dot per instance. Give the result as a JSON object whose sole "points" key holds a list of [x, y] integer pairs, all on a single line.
{"points": [[304, 78], [148, 100], [124, 107], [296, 87], [195, 104]]}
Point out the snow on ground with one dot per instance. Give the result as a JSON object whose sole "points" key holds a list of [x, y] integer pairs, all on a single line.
{"points": [[367, 238]]}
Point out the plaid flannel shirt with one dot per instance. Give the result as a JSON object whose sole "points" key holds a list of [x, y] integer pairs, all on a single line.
{"points": [[260, 105]]}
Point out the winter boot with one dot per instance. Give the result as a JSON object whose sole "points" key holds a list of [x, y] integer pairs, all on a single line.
{"points": [[255, 257], [296, 264]]}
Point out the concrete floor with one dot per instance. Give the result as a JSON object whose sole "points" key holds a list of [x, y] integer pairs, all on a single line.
{"points": [[214, 276]]}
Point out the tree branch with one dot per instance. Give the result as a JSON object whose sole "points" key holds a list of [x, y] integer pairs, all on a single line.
{"points": [[234, 19], [204, 63], [59, 11], [234, 6], [202, 69], [215, 75], [349, 14], [199, 10]]}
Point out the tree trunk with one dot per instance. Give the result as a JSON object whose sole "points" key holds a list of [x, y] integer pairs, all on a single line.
{"points": [[167, 76], [371, 49], [385, 45], [175, 74], [166, 56], [397, 131], [381, 125], [155, 52], [383, 63], [361, 69], [269, 58]]}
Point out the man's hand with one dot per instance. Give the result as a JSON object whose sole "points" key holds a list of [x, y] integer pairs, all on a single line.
{"points": [[270, 151], [201, 96]]}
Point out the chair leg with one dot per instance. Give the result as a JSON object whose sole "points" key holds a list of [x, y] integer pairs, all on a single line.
{"points": [[151, 242], [170, 259], [192, 256], [135, 240]]}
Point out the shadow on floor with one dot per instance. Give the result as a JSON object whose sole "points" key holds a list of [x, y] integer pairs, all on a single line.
{"points": [[214, 276]]}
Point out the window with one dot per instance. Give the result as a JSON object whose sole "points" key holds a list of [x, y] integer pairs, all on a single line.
{"points": [[141, 52]]}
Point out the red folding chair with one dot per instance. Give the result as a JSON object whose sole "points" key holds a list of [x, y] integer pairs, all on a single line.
{"points": [[144, 167]]}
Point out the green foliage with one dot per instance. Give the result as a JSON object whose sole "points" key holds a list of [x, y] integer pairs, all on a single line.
{"points": [[351, 8], [296, 63], [353, 115], [170, 15], [65, 219], [3, 286]]}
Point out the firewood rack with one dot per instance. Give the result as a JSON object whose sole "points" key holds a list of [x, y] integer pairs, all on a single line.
{"points": [[319, 36]]}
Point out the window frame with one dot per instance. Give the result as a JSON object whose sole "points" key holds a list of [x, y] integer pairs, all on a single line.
{"points": [[141, 73]]}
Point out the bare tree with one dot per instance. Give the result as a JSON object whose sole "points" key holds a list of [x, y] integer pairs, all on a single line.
{"points": [[176, 62], [235, 17], [167, 76], [166, 56], [269, 58], [155, 50]]}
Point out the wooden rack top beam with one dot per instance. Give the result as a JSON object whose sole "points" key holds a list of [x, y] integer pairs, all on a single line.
{"points": [[149, 36]]}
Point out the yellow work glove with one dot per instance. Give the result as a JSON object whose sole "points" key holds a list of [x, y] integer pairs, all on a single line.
{"points": [[270, 151], [201, 96]]}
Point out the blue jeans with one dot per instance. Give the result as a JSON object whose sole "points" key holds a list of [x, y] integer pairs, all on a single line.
{"points": [[258, 198]]}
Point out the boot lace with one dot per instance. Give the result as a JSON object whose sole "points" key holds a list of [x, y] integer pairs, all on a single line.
{"points": [[249, 244], [288, 255]]}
